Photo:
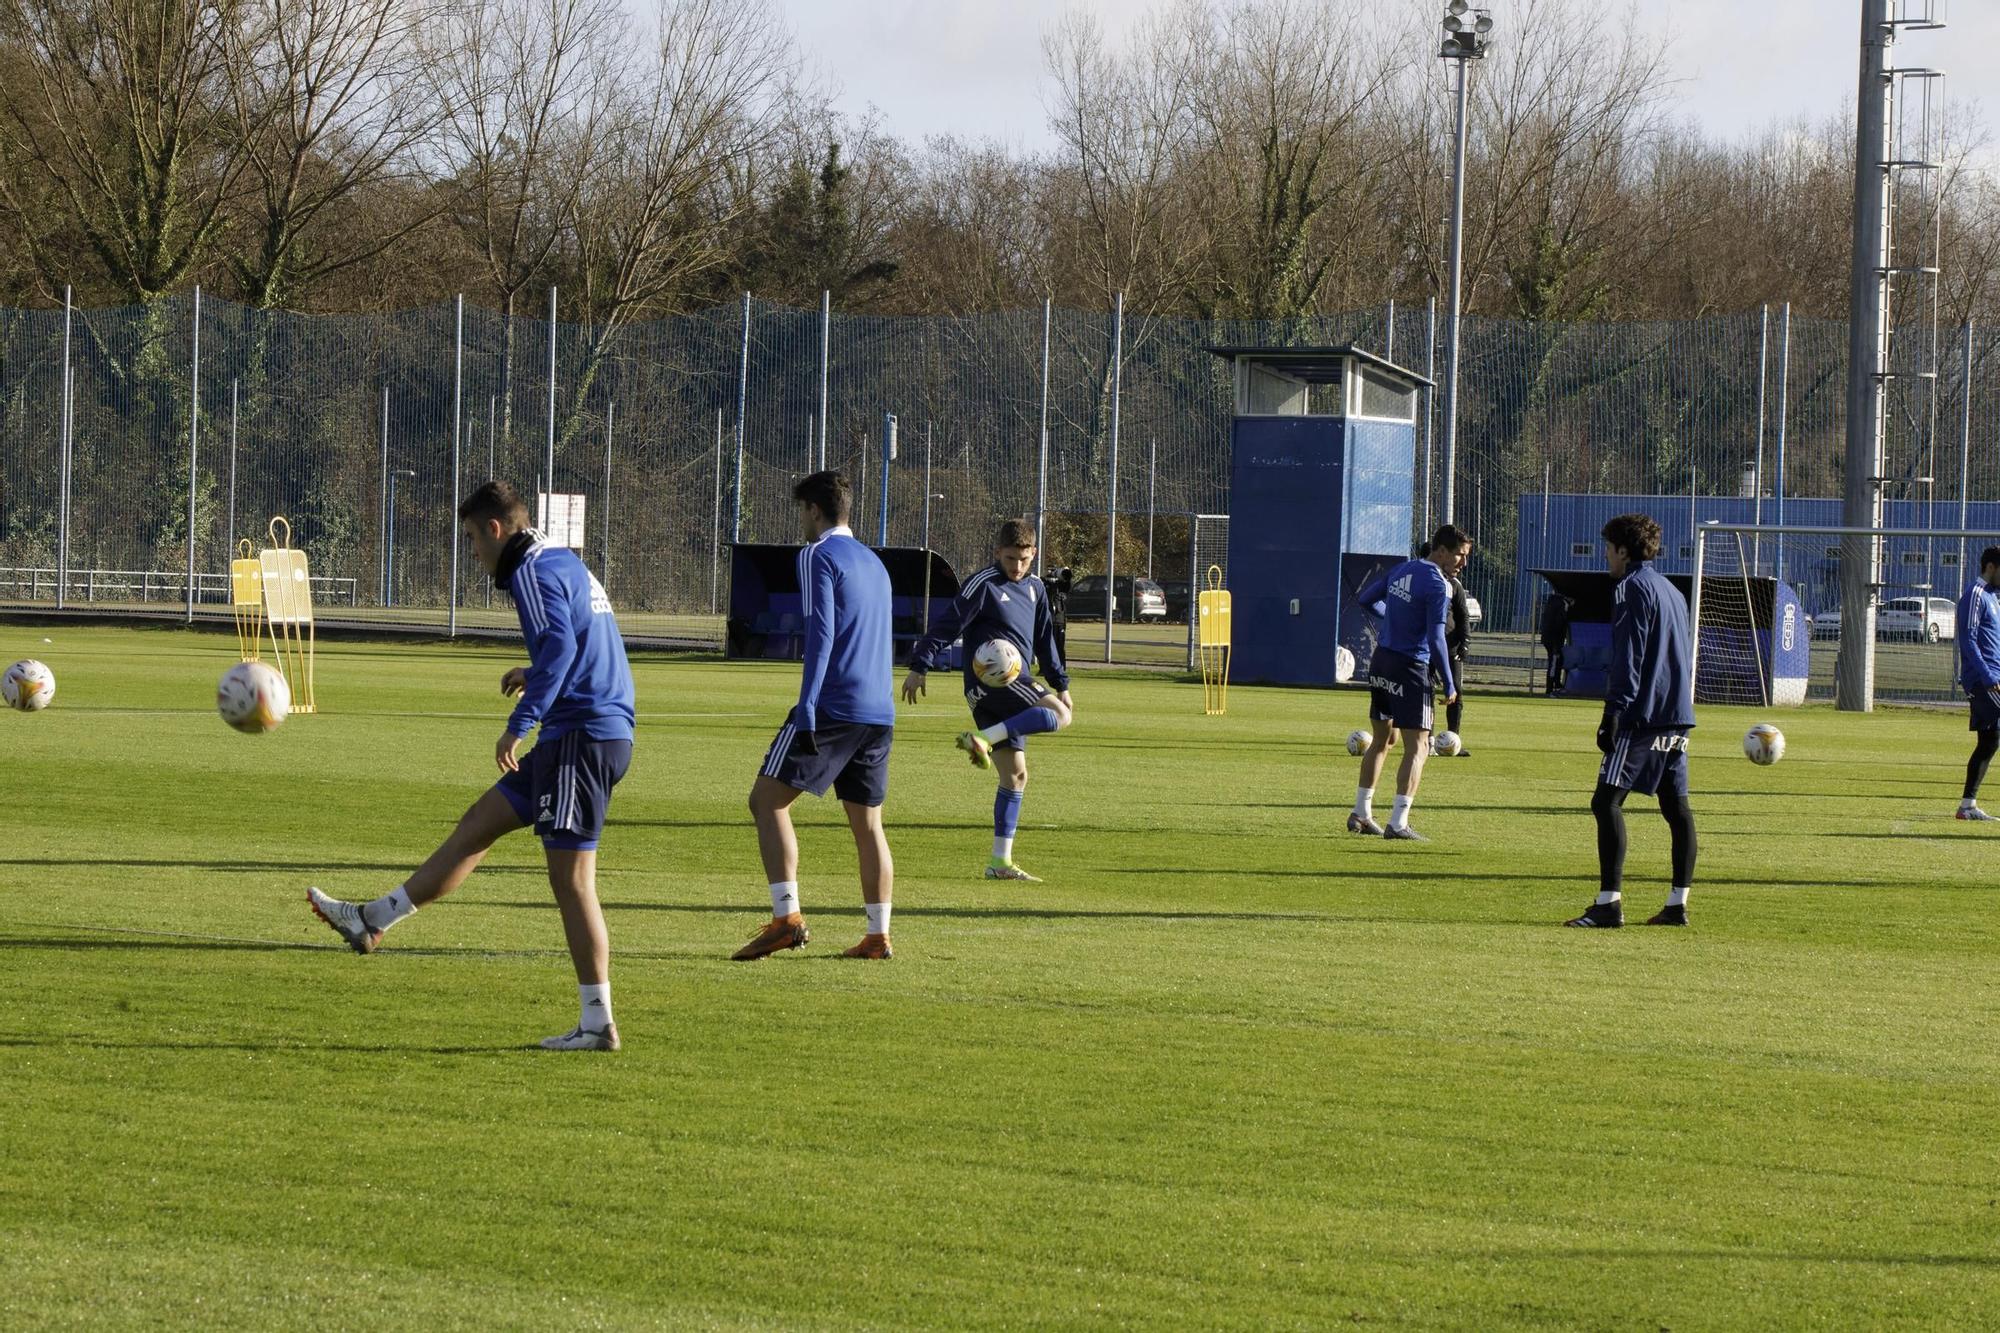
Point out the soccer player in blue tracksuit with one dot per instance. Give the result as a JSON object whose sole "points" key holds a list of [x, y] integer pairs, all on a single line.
{"points": [[1003, 601], [1411, 601], [840, 732], [1978, 640], [578, 689], [1648, 712]]}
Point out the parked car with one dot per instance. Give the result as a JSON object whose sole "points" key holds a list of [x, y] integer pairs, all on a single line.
{"points": [[1180, 601], [1927, 618], [1474, 613], [1133, 600], [1924, 619]]}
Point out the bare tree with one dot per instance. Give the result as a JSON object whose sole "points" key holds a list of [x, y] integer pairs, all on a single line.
{"points": [[523, 88], [328, 99], [123, 107]]}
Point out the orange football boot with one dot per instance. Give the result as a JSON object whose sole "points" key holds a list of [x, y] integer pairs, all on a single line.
{"points": [[786, 932], [871, 946]]}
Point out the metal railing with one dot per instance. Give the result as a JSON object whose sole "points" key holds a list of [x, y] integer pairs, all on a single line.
{"points": [[167, 587]]}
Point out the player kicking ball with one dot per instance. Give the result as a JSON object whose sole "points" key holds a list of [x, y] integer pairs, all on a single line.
{"points": [[1412, 602], [578, 689], [1648, 712], [1004, 602], [840, 732], [1979, 673]]}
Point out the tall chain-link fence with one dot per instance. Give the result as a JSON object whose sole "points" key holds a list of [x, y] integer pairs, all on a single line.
{"points": [[684, 435]]}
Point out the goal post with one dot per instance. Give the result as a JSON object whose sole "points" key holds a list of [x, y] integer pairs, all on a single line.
{"points": [[1765, 605]]}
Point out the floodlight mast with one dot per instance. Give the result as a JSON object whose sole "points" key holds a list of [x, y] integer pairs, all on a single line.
{"points": [[1466, 35]]}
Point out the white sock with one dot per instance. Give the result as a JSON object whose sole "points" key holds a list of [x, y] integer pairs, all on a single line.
{"points": [[995, 733], [1003, 850], [1969, 803], [387, 910], [784, 898], [1399, 813], [1364, 802], [1677, 897], [1611, 897], [596, 1005], [878, 917]]}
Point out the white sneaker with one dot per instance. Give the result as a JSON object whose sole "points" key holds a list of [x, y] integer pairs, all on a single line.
{"points": [[998, 869], [577, 1039], [1977, 815], [346, 920]]}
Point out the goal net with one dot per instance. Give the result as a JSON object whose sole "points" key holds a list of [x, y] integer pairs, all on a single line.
{"points": [[1208, 546], [1767, 614]]}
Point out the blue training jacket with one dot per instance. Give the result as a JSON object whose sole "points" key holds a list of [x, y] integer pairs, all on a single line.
{"points": [[850, 648], [1979, 638], [990, 606], [1411, 602], [1651, 683], [578, 679]]}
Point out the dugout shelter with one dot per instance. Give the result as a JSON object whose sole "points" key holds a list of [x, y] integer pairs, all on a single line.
{"points": [[1323, 447], [764, 599]]}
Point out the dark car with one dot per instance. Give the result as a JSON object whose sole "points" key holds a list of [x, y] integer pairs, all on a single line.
{"points": [[1136, 599], [1180, 601]]}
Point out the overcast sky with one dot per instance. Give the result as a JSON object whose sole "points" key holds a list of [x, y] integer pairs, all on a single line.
{"points": [[974, 67]]}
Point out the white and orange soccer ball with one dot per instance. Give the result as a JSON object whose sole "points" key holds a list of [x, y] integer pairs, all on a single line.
{"points": [[1357, 741], [28, 686], [253, 698], [1446, 743], [997, 664], [1764, 744]]}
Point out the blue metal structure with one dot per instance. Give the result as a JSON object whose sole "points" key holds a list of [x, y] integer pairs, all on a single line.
{"points": [[1322, 461]]}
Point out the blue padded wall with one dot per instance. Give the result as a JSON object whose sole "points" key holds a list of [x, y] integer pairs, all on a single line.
{"points": [[1286, 499]]}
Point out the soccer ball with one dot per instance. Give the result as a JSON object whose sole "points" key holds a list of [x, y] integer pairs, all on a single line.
{"points": [[1764, 743], [1357, 741], [28, 686], [997, 664], [253, 698], [1446, 743]]}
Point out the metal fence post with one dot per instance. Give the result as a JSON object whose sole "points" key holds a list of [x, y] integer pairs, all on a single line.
{"points": [[549, 471], [610, 416], [1757, 490], [715, 528], [1111, 511], [1965, 457], [825, 352], [194, 443], [742, 406], [888, 457], [63, 460], [1042, 462], [1430, 406], [492, 419], [1784, 417], [382, 528], [457, 441], [1152, 483], [229, 536]]}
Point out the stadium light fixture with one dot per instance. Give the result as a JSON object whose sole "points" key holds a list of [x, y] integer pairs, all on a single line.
{"points": [[1465, 31]]}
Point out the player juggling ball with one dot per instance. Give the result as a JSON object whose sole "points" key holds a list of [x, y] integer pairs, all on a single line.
{"points": [[1411, 603], [1979, 673], [1648, 712], [1003, 616], [577, 688], [839, 733]]}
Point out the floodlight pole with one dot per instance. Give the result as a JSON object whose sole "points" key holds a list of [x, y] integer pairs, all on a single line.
{"points": [[1867, 364], [1459, 62], [1042, 459], [825, 348], [549, 472], [1111, 510], [457, 443], [742, 405], [1784, 417], [1964, 453]]}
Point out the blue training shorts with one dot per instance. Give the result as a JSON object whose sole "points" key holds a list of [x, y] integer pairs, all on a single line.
{"points": [[1399, 691], [563, 788], [850, 757], [992, 706], [1647, 762]]}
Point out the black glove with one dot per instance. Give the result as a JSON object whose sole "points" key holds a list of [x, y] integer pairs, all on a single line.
{"points": [[1607, 734]]}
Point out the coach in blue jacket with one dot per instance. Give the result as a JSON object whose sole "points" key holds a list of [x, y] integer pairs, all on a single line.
{"points": [[1648, 712], [1979, 672]]}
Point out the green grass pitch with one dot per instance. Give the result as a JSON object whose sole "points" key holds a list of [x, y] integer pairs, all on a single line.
{"points": [[1228, 1067]]}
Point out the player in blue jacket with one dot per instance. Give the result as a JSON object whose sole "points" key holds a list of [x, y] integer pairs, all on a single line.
{"points": [[839, 733], [577, 689], [1648, 712], [1411, 603], [1002, 601], [1979, 672]]}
